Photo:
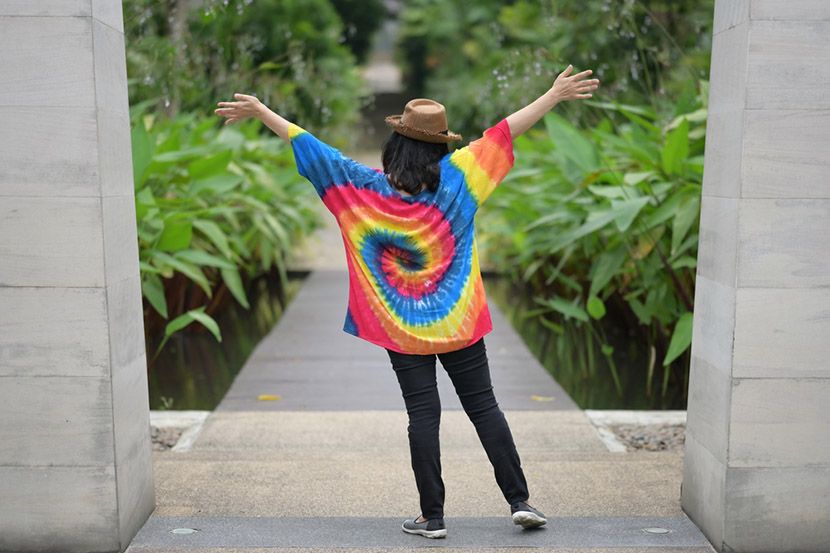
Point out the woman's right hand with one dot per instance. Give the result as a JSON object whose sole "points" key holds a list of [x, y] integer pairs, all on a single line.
{"points": [[246, 106], [573, 87]]}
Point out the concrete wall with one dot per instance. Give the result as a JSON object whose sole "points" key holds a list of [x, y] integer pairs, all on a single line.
{"points": [[75, 461], [757, 464]]}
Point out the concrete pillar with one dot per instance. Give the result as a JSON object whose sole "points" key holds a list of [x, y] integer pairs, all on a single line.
{"points": [[756, 476], [75, 454]]}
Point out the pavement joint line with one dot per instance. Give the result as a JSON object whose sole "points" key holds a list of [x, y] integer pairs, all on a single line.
{"points": [[190, 423], [464, 532], [602, 419]]}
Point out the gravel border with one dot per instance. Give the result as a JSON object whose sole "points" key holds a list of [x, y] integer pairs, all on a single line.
{"points": [[634, 431]]}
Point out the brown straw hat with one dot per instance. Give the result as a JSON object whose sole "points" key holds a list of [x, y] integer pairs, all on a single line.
{"points": [[424, 120]]}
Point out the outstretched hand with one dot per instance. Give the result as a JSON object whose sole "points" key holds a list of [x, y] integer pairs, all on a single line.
{"points": [[246, 106], [573, 87]]}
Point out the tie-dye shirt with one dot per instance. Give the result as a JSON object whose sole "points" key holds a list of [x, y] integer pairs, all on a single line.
{"points": [[414, 279]]}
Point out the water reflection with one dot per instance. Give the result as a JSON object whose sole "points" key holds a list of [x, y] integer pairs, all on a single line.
{"points": [[193, 370]]}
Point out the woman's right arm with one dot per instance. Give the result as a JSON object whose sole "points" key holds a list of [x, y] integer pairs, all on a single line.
{"points": [[566, 87]]}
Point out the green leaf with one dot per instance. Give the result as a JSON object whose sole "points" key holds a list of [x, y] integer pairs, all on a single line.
{"points": [[153, 290], [203, 258], [234, 284], [210, 166], [626, 210], [189, 270], [609, 192], [572, 143], [176, 235], [143, 201], [218, 184], [681, 338], [606, 349], [183, 154], [636, 177], [683, 220], [200, 316], [142, 146], [552, 325], [596, 308], [606, 265], [676, 148], [567, 308], [215, 235], [640, 310]]}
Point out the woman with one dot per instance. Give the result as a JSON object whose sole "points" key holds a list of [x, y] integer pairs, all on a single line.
{"points": [[415, 287]]}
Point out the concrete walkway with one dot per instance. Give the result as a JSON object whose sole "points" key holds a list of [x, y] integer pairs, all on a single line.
{"points": [[326, 466]]}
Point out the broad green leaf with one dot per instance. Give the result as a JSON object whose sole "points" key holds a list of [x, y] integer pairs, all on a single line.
{"points": [[552, 325], [681, 338], [640, 310], [234, 284], [606, 349], [572, 143], [143, 200], [626, 210], [215, 235], [567, 308], [596, 308], [230, 137], [189, 270], [610, 192], [154, 292], [200, 316], [606, 265], [142, 146], [676, 148], [183, 154], [145, 196], [178, 323], [636, 177], [665, 210], [218, 184], [202, 258], [683, 220], [176, 235], [209, 166], [684, 261]]}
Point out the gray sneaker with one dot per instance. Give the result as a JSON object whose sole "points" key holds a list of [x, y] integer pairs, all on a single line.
{"points": [[527, 516], [432, 528]]}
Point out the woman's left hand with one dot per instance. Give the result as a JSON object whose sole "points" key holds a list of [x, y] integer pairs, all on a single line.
{"points": [[246, 106]]}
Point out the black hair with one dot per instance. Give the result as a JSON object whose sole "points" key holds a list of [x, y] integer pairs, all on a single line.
{"points": [[411, 163]]}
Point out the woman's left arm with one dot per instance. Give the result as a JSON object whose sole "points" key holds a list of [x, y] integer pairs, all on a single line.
{"points": [[249, 106]]}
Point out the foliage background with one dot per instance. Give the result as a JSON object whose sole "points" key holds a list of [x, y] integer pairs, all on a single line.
{"points": [[218, 207], [597, 224]]}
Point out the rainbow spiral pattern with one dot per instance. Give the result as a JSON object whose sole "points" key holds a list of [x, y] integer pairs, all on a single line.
{"points": [[414, 280]]}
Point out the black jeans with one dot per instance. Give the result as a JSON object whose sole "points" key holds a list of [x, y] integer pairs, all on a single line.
{"points": [[470, 374]]}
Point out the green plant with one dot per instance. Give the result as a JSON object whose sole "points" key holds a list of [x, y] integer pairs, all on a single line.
{"points": [[605, 221], [214, 207], [484, 60], [190, 54]]}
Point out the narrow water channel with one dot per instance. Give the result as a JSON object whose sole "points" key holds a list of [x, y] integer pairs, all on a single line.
{"points": [[193, 370], [583, 371]]}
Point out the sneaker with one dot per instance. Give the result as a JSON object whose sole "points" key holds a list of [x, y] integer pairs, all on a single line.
{"points": [[526, 516], [432, 528]]}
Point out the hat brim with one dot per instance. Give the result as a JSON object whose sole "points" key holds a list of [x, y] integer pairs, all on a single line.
{"points": [[394, 121]]}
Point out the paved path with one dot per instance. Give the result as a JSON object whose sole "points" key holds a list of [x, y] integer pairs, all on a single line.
{"points": [[326, 466]]}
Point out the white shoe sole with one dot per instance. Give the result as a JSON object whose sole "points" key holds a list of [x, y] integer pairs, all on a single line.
{"points": [[526, 519], [433, 534]]}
